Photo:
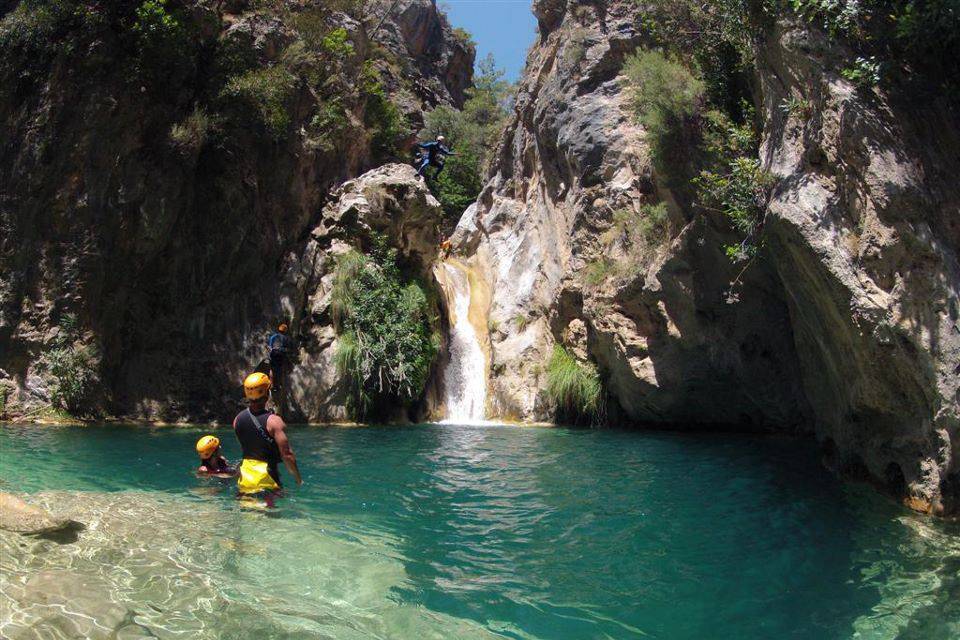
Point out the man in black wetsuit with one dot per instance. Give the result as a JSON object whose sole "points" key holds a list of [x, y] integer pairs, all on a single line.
{"points": [[433, 154], [263, 442]]}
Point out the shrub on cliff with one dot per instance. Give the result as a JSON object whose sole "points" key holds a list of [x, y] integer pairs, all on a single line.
{"points": [[189, 135], [71, 367], [385, 324], [573, 387], [668, 98], [267, 91], [385, 124], [695, 144]]}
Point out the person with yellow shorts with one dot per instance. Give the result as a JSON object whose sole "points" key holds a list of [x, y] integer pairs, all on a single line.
{"points": [[264, 443]]}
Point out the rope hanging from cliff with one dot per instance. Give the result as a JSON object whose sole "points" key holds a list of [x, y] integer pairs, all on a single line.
{"points": [[384, 18]]}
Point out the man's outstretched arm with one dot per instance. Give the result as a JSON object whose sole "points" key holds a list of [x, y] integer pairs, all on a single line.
{"points": [[276, 428]]}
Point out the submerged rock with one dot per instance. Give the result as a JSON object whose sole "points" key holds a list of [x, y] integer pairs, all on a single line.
{"points": [[20, 517]]}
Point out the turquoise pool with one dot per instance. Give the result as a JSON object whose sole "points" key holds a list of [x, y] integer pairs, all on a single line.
{"points": [[443, 531]]}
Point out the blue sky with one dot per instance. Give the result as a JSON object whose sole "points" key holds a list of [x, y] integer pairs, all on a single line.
{"points": [[505, 28]]}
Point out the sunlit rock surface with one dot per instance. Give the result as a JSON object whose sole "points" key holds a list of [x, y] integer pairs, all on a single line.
{"points": [[845, 327]]}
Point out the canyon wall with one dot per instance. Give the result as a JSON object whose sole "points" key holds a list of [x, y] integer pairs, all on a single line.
{"points": [[845, 325], [164, 173]]}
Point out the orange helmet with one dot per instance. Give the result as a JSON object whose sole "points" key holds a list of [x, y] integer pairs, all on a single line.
{"points": [[256, 386], [282, 328], [207, 446]]}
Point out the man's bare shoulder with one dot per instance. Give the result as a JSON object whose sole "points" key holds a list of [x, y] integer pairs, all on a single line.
{"points": [[275, 422]]}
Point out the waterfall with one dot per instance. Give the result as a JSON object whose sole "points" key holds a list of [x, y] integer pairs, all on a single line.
{"points": [[465, 377]]}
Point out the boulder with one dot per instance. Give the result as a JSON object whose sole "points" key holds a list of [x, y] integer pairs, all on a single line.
{"points": [[20, 517], [390, 201]]}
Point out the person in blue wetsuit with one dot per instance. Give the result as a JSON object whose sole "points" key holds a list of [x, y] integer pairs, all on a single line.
{"points": [[279, 345], [433, 153]]}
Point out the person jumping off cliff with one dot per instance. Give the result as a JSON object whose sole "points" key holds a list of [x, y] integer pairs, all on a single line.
{"points": [[433, 153]]}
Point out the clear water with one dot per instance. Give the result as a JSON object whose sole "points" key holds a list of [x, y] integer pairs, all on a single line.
{"points": [[443, 531]]}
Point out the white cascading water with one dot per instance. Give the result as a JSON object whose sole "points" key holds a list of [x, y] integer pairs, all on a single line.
{"points": [[465, 378]]}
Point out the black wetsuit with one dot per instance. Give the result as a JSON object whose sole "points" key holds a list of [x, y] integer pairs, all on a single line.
{"points": [[256, 442], [279, 345], [217, 465]]}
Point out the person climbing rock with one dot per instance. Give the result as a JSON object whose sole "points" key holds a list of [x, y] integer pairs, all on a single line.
{"points": [[212, 462], [279, 345], [433, 154], [264, 443]]}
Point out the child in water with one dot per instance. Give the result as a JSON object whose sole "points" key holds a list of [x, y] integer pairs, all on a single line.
{"points": [[212, 462]]}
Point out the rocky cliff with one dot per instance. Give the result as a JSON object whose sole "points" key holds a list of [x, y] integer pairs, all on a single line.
{"points": [[844, 326], [165, 179]]}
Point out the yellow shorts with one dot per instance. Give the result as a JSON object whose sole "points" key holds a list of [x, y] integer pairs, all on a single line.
{"points": [[255, 477]]}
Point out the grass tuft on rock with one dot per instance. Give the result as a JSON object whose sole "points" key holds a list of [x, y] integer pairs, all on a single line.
{"points": [[574, 387]]}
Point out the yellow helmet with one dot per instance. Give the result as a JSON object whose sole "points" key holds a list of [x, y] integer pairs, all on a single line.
{"points": [[207, 445], [256, 386]]}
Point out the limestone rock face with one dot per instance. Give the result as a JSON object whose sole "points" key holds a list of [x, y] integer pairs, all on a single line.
{"points": [[169, 250], [864, 233], [671, 346], [429, 49], [391, 201], [845, 327]]}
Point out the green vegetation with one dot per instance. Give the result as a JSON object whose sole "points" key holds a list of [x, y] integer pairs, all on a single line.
{"points": [[574, 387], [919, 38], [386, 126], [575, 49], [179, 56], [654, 224], [386, 331], [165, 48], [694, 145], [916, 36], [668, 99], [36, 27], [797, 106], [693, 93], [465, 38], [864, 72], [639, 234], [72, 370], [267, 91], [473, 133], [598, 271], [741, 194], [190, 135]]}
